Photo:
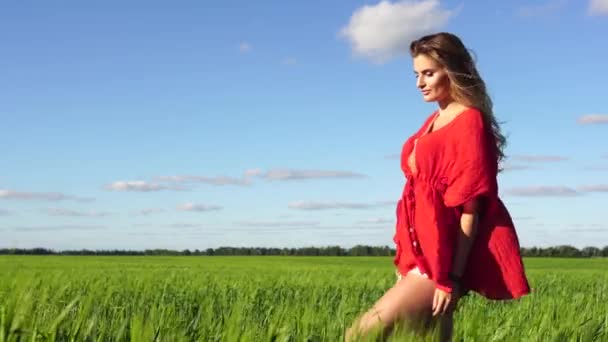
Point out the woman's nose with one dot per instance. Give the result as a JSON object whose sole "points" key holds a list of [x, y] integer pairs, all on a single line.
{"points": [[420, 82]]}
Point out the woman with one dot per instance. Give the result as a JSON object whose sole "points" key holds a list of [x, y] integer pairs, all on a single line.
{"points": [[453, 233]]}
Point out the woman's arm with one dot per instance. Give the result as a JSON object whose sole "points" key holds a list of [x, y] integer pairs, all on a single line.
{"points": [[465, 236], [442, 301]]}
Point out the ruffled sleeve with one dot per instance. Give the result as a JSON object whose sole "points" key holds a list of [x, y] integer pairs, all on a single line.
{"points": [[473, 167]]}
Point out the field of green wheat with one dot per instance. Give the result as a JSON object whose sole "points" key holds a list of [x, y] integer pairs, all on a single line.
{"points": [[139, 298]]}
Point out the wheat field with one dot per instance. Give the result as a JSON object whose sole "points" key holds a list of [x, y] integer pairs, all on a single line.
{"points": [[143, 298]]}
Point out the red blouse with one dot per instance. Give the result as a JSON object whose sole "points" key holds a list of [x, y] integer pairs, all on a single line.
{"points": [[453, 165]]}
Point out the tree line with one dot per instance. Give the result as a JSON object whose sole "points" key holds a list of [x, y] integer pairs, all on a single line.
{"points": [[564, 251]]}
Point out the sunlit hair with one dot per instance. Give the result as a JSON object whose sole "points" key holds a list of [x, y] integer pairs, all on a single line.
{"points": [[466, 86]]}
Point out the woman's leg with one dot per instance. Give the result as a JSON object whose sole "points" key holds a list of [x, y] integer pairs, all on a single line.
{"points": [[446, 327], [410, 299]]}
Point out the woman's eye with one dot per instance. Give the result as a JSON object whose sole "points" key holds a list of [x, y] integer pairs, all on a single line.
{"points": [[428, 74]]}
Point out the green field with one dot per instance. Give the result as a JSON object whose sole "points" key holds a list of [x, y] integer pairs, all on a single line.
{"points": [[138, 298]]}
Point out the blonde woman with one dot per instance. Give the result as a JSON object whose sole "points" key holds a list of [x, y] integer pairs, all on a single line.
{"points": [[453, 233]]}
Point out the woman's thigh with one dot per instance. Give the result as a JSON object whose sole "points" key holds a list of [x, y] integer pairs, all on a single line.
{"points": [[411, 298]]}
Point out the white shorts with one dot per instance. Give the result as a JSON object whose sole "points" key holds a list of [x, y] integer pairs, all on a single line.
{"points": [[414, 270]]}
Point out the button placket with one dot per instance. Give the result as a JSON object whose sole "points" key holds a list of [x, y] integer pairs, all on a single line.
{"points": [[415, 243], [412, 229]]}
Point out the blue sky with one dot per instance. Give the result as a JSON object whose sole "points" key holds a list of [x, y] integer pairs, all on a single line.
{"points": [[149, 124]]}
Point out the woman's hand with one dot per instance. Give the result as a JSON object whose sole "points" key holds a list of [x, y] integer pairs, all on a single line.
{"points": [[445, 302]]}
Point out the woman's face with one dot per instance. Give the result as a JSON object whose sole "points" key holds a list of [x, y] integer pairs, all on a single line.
{"points": [[431, 78]]}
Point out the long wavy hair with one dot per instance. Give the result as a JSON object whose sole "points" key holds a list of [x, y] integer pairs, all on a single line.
{"points": [[466, 85]]}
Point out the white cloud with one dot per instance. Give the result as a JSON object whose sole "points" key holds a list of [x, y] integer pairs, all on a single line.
{"points": [[141, 186], [538, 191], [596, 168], [308, 205], [529, 158], [59, 227], [587, 230], [150, 211], [198, 207], [384, 31], [542, 9], [375, 221], [598, 7], [523, 218], [594, 188], [185, 225], [246, 180], [43, 196], [277, 223], [513, 167], [253, 173], [75, 213], [318, 229], [287, 174], [593, 119], [538, 158], [219, 180], [244, 47], [4, 212], [390, 203]]}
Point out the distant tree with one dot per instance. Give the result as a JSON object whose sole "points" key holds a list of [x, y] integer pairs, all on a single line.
{"points": [[589, 252], [358, 250], [565, 251]]}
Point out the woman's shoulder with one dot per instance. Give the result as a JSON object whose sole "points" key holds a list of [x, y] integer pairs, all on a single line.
{"points": [[469, 122], [471, 116]]}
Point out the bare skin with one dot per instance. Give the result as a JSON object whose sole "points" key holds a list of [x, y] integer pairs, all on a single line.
{"points": [[433, 82], [409, 300], [414, 298]]}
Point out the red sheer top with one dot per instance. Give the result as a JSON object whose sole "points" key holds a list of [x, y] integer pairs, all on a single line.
{"points": [[453, 165]]}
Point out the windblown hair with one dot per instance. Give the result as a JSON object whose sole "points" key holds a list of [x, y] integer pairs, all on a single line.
{"points": [[466, 85]]}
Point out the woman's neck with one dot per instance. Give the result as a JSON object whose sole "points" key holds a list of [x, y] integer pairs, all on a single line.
{"points": [[448, 106]]}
